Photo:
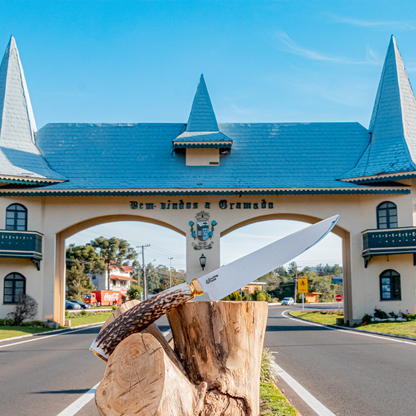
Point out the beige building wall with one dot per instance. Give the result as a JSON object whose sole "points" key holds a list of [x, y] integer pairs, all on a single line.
{"points": [[59, 217]]}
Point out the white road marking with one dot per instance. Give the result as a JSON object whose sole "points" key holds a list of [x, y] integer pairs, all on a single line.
{"points": [[49, 336], [167, 332], [78, 404], [310, 400], [346, 331]]}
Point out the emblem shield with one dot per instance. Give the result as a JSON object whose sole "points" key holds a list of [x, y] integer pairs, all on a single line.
{"points": [[202, 230]]}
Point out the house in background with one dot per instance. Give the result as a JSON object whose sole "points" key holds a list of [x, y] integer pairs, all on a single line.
{"points": [[253, 286], [312, 297], [120, 279]]}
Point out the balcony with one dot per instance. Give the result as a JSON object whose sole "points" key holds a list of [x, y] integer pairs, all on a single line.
{"points": [[389, 241], [22, 244]]}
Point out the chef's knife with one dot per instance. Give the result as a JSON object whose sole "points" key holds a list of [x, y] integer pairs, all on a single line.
{"points": [[216, 285]]}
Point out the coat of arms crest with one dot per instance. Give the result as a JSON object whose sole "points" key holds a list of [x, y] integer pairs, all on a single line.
{"points": [[204, 231]]}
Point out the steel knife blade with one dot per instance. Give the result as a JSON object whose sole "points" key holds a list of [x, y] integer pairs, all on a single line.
{"points": [[216, 285]]}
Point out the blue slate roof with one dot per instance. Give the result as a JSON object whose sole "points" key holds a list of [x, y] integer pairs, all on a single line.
{"points": [[393, 123], [265, 155], [19, 157]]}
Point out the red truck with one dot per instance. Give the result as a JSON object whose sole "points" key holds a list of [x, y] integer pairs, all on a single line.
{"points": [[103, 298]]}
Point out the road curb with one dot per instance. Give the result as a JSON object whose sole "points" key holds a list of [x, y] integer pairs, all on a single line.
{"points": [[54, 331], [346, 328]]}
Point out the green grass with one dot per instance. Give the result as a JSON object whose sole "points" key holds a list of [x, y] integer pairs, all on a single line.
{"points": [[17, 331], [88, 319], [273, 403], [407, 329], [329, 319]]}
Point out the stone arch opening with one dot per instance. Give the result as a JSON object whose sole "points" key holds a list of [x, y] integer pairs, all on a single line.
{"points": [[65, 233], [341, 232]]}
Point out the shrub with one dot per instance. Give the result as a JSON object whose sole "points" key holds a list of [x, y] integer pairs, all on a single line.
{"points": [[6, 322], [378, 313], [37, 323], [411, 316], [114, 307], [247, 296], [83, 312], [366, 319], [268, 373], [261, 297], [134, 292], [25, 308], [66, 313]]}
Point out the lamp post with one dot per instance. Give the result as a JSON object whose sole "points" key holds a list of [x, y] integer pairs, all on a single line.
{"points": [[170, 271], [203, 261]]}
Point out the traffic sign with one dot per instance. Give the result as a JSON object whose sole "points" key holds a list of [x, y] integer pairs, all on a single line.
{"points": [[338, 298], [302, 285]]}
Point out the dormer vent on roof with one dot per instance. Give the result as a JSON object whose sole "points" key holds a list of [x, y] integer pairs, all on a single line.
{"points": [[392, 144], [202, 140]]}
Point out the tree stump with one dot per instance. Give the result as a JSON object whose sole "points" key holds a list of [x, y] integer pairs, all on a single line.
{"points": [[219, 346]]}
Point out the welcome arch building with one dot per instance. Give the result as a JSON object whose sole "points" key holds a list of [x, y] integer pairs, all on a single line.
{"points": [[204, 180]]}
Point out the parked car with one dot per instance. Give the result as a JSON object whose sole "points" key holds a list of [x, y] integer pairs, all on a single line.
{"points": [[83, 305], [288, 301], [71, 305]]}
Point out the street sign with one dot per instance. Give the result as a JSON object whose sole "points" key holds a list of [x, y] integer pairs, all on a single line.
{"points": [[338, 298], [302, 285]]}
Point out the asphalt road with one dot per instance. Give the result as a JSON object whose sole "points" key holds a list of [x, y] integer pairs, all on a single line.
{"points": [[349, 373], [43, 377]]}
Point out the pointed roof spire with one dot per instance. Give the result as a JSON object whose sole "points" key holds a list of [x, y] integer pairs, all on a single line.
{"points": [[392, 147], [202, 117], [19, 156]]}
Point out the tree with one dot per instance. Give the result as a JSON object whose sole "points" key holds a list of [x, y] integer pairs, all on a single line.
{"points": [[115, 250], [337, 270], [261, 297], [307, 270], [26, 308], [78, 282], [134, 292], [293, 268], [320, 269]]}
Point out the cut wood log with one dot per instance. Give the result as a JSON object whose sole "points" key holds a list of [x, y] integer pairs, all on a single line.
{"points": [[221, 343], [141, 380], [151, 329]]}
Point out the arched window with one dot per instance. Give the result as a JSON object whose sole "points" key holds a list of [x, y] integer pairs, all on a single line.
{"points": [[14, 285], [387, 215], [390, 285], [16, 218]]}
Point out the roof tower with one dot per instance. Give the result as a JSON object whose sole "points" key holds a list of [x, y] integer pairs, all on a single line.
{"points": [[392, 147], [202, 128], [20, 160]]}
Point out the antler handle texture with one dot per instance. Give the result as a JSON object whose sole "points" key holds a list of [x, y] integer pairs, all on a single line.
{"points": [[142, 315]]}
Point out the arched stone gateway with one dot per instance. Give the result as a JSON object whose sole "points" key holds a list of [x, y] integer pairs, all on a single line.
{"points": [[204, 180]]}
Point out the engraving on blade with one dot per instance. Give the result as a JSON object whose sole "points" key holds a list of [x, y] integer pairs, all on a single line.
{"points": [[227, 279]]}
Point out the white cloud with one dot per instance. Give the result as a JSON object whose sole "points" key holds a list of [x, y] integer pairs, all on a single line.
{"points": [[296, 49], [375, 24]]}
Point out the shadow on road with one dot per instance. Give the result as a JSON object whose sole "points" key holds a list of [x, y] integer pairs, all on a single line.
{"points": [[277, 328], [76, 391]]}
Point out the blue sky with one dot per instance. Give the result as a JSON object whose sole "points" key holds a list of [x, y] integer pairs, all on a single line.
{"points": [[140, 61]]}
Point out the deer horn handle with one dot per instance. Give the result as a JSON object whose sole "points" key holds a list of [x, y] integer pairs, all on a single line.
{"points": [[141, 316]]}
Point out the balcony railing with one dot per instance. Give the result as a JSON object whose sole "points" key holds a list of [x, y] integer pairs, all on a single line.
{"points": [[23, 244], [388, 241]]}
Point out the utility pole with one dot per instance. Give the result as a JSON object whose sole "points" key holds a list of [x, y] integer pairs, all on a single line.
{"points": [[144, 277], [296, 286], [170, 270]]}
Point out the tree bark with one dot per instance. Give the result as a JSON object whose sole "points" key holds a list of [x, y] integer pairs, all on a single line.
{"points": [[219, 345]]}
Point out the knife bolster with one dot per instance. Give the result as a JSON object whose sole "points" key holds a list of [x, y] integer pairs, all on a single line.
{"points": [[196, 288]]}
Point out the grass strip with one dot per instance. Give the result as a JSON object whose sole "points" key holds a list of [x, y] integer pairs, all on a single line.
{"points": [[273, 403], [88, 319], [407, 329], [17, 331], [329, 319]]}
